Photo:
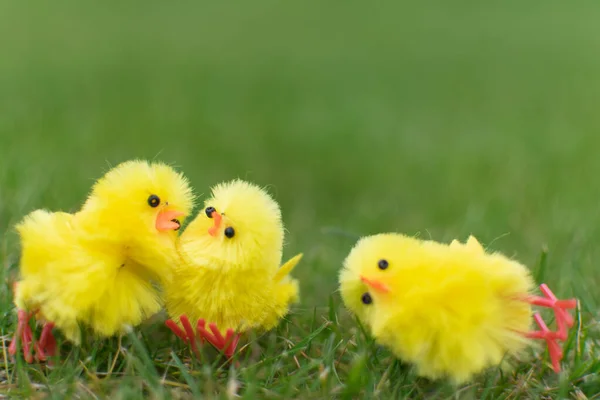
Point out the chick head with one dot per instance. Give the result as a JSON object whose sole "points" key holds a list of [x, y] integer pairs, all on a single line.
{"points": [[240, 227], [141, 205], [373, 273]]}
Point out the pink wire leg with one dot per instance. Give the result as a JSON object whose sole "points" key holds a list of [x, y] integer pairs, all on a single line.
{"points": [[187, 333], [227, 344], [46, 346], [24, 334], [564, 321], [554, 349]]}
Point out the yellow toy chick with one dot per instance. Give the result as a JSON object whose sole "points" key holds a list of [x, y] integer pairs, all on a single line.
{"points": [[451, 310], [229, 273], [99, 267]]}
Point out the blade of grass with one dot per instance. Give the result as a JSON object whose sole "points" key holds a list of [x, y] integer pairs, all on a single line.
{"points": [[540, 272], [355, 382], [145, 364], [188, 378]]}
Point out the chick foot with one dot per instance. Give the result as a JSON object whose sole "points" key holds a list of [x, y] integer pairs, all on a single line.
{"points": [[187, 333], [227, 344], [564, 321], [550, 337], [24, 334], [46, 346]]}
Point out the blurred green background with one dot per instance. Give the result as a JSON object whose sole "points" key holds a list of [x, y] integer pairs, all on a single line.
{"points": [[444, 119]]}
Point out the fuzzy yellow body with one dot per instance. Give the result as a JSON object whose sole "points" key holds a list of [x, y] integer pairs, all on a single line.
{"points": [[101, 267], [235, 282], [451, 310]]}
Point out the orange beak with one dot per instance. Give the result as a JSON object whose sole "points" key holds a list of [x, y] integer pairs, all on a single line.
{"points": [[212, 231], [379, 286], [167, 220]]}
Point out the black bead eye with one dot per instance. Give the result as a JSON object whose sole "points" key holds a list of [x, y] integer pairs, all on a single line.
{"points": [[382, 264], [366, 298], [209, 211], [153, 200], [229, 232]]}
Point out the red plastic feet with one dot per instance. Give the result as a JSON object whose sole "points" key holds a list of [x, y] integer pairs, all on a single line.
{"points": [[550, 337], [564, 321], [187, 333], [227, 344], [24, 334], [45, 347]]}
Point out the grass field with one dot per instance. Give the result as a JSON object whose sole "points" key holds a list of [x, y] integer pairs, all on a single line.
{"points": [[433, 119]]}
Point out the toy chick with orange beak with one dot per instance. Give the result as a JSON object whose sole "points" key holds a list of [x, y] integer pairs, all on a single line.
{"points": [[229, 278], [452, 310], [101, 266]]}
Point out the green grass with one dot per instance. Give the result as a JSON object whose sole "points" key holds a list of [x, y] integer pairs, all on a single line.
{"points": [[432, 119]]}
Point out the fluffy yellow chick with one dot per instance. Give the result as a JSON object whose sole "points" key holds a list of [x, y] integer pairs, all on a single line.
{"points": [[100, 267], [451, 310], [230, 274]]}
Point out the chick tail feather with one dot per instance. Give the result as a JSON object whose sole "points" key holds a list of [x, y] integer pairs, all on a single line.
{"points": [[43, 235], [286, 268]]}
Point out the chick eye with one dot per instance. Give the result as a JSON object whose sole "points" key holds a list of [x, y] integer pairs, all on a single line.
{"points": [[382, 264], [229, 232], [366, 298], [209, 211], [153, 200]]}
